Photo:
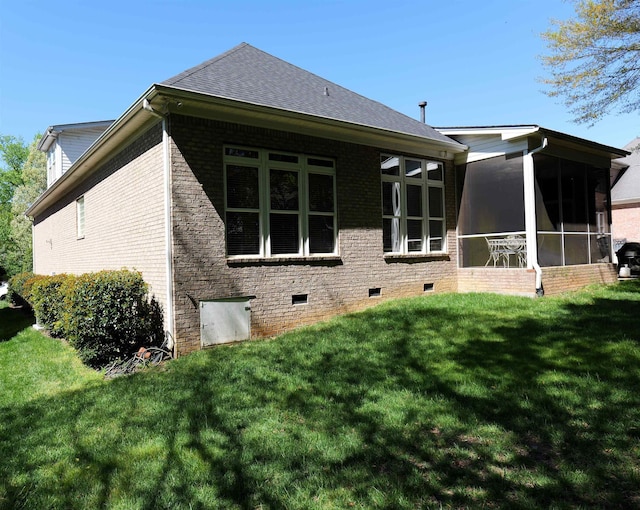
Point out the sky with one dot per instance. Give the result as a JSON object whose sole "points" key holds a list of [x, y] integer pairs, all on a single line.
{"points": [[475, 63]]}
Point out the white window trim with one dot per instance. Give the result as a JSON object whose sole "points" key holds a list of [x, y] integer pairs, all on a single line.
{"points": [[54, 163], [304, 169], [80, 217], [425, 184]]}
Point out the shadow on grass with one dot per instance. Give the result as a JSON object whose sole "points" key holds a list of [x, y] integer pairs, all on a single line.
{"points": [[447, 401], [12, 321]]}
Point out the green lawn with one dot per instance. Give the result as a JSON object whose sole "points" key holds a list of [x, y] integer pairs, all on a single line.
{"points": [[447, 401]]}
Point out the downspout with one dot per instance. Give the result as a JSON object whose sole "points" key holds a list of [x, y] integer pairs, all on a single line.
{"points": [[530, 214], [33, 243], [166, 155]]}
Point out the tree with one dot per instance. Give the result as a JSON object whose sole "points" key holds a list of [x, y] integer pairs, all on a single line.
{"points": [[34, 182], [24, 179], [594, 59], [14, 153]]}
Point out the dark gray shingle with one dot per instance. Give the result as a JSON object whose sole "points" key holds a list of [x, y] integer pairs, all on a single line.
{"points": [[248, 74]]}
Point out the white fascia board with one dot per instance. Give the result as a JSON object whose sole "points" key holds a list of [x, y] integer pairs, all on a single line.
{"points": [[506, 132]]}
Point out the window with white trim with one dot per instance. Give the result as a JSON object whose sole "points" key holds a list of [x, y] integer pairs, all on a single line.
{"points": [[80, 217], [278, 203], [412, 205], [51, 165]]}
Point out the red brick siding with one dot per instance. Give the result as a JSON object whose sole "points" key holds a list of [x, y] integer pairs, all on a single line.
{"points": [[626, 222]]}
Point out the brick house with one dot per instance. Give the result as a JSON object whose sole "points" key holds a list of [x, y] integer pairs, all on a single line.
{"points": [[625, 196], [255, 197]]}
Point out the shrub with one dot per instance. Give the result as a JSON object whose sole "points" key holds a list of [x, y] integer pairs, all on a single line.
{"points": [[47, 300], [107, 315], [17, 290]]}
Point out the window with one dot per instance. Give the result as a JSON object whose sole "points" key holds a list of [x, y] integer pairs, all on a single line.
{"points": [[412, 205], [51, 165], [80, 217], [279, 204]]}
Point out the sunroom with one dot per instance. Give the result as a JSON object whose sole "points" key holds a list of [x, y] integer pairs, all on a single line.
{"points": [[530, 200]]}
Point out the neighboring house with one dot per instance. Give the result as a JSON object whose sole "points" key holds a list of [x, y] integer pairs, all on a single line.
{"points": [[255, 197], [625, 197], [65, 143]]}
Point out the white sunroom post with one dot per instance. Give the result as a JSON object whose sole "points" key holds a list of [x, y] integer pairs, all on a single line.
{"points": [[530, 214], [530, 211]]}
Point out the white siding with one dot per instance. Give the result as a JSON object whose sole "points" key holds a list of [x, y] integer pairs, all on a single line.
{"points": [[74, 142]]}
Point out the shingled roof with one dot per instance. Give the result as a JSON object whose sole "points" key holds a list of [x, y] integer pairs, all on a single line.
{"points": [[627, 189], [250, 75]]}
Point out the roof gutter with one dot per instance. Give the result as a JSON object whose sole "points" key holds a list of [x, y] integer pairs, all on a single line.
{"points": [[514, 132], [186, 102], [47, 139], [112, 137]]}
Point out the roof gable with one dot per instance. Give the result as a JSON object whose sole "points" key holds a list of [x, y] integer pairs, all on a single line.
{"points": [[250, 75], [627, 188]]}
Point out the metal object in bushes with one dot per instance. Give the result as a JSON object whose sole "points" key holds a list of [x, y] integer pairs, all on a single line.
{"points": [[629, 255], [145, 357]]}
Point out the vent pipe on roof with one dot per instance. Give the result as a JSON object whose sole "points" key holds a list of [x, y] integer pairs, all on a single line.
{"points": [[422, 105]]}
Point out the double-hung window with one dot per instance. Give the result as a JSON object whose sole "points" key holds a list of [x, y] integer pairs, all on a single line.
{"points": [[279, 204], [412, 205]]}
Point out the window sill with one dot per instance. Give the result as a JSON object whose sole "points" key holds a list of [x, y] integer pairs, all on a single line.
{"points": [[417, 257], [330, 260]]}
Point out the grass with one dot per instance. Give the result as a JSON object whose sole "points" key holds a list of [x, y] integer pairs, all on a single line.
{"points": [[450, 401], [32, 365]]}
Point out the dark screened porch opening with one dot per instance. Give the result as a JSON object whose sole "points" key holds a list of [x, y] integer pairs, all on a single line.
{"points": [[491, 216], [572, 213]]}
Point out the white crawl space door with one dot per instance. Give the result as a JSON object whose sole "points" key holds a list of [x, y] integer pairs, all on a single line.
{"points": [[225, 320]]}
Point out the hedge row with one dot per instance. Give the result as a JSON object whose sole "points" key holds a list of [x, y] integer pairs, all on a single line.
{"points": [[105, 315]]}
